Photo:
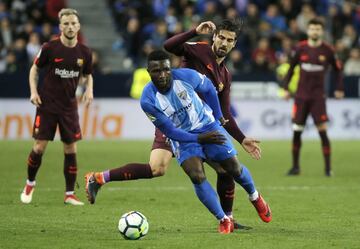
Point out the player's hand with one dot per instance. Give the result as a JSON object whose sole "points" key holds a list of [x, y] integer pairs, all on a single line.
{"points": [[88, 97], [35, 99], [205, 28], [212, 137], [252, 147], [223, 121], [339, 94], [287, 95]]}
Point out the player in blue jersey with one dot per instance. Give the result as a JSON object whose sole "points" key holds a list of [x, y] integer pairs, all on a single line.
{"points": [[171, 103]]}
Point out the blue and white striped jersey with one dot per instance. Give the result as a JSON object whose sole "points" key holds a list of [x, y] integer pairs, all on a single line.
{"points": [[181, 105]]}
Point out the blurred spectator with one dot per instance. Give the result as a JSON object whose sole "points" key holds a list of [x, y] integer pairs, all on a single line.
{"points": [[160, 34], [236, 62], [294, 31], [6, 34], [33, 47], [11, 65], [352, 65], [288, 9], [52, 9], [263, 57], [307, 13], [46, 32], [349, 37], [341, 51]]}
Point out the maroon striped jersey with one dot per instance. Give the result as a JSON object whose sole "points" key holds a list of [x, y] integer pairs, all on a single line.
{"points": [[199, 56], [63, 66], [314, 63]]}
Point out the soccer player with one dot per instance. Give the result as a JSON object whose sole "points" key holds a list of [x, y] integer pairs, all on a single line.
{"points": [[208, 60], [314, 57], [65, 62], [171, 103]]}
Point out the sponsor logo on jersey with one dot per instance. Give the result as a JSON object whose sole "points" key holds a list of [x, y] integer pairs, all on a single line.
{"points": [[65, 74], [322, 58], [151, 117], [220, 86], [182, 95], [308, 67], [80, 62]]}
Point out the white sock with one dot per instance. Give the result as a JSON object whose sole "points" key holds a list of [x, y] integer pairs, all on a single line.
{"points": [[30, 183], [254, 196], [223, 218], [69, 192]]}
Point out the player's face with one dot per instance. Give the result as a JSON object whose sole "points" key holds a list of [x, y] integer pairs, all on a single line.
{"points": [[69, 26], [160, 74], [315, 32], [223, 42]]}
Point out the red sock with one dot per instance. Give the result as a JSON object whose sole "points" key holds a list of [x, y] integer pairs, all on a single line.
{"points": [[226, 192], [34, 162], [70, 171], [131, 171]]}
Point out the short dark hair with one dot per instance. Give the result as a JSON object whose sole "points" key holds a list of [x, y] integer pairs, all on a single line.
{"points": [[158, 55], [315, 21], [234, 25]]}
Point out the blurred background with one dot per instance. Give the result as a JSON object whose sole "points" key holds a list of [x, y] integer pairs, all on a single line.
{"points": [[122, 32]]}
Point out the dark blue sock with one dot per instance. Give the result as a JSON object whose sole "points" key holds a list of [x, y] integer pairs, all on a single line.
{"points": [[209, 198], [245, 180]]}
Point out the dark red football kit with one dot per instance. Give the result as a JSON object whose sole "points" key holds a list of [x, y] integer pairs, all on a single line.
{"points": [[310, 95], [63, 67]]}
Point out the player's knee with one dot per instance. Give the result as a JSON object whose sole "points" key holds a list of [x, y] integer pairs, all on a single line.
{"points": [[39, 146], [298, 128], [159, 168], [197, 177], [70, 148]]}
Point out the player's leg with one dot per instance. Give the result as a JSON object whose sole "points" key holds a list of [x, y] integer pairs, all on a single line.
{"points": [[242, 176], [70, 132], [44, 129], [160, 158], [193, 167], [318, 111], [299, 114], [225, 155], [226, 190]]}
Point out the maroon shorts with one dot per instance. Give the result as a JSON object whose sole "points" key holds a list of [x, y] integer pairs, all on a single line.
{"points": [[302, 108], [161, 141], [46, 123]]}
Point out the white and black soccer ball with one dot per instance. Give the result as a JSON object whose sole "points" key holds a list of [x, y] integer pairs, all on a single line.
{"points": [[133, 225]]}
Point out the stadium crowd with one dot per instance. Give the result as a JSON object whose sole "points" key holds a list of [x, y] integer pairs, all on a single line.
{"points": [[271, 28]]}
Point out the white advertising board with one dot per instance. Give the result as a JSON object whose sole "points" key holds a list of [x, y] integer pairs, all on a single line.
{"points": [[124, 119]]}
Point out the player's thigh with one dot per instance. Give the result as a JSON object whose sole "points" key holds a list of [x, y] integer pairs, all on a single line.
{"points": [[69, 127], [160, 160], [300, 111], [220, 152], [216, 166], [318, 111], [45, 124]]}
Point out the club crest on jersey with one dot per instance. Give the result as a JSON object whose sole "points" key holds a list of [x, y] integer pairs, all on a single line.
{"points": [[322, 58], [182, 95], [220, 86], [80, 62]]}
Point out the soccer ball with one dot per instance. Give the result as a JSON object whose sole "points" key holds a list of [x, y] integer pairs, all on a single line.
{"points": [[133, 225]]}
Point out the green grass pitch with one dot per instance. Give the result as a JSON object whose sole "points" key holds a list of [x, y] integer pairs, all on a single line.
{"points": [[309, 211]]}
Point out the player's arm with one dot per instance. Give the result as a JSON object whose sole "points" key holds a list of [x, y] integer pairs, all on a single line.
{"points": [[208, 91], [166, 126], [250, 145], [88, 95], [294, 60], [176, 44], [337, 67], [33, 83]]}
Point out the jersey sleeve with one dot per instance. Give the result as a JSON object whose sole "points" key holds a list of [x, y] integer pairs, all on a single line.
{"points": [[293, 62], [42, 58], [177, 44], [337, 67], [88, 68]]}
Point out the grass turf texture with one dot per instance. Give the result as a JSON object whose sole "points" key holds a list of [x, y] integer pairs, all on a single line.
{"points": [[309, 211]]}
